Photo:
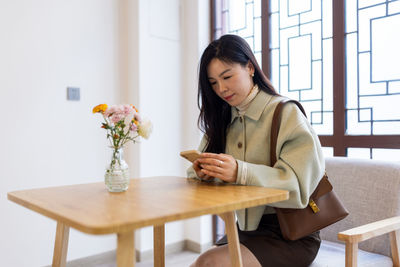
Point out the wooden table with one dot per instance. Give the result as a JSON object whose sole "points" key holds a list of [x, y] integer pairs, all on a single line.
{"points": [[90, 208]]}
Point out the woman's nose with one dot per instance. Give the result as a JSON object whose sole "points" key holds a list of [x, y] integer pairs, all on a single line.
{"points": [[221, 87]]}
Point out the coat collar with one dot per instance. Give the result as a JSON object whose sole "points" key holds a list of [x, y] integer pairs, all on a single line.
{"points": [[256, 107]]}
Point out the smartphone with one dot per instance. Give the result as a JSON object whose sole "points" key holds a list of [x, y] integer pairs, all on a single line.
{"points": [[190, 155]]}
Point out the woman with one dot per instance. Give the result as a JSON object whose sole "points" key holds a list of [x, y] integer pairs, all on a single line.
{"points": [[237, 103]]}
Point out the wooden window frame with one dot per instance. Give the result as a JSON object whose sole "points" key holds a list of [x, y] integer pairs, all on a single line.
{"points": [[339, 141]]}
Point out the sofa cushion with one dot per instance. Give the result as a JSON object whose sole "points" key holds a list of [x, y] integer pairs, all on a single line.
{"points": [[332, 254], [370, 190]]}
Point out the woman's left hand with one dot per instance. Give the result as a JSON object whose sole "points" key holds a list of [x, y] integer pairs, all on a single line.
{"points": [[220, 166]]}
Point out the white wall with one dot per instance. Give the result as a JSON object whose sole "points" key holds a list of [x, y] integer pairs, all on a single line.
{"points": [[45, 46], [172, 34], [195, 28], [159, 99], [143, 52]]}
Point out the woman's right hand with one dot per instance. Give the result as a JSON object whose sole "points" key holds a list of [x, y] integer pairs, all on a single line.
{"points": [[197, 168]]}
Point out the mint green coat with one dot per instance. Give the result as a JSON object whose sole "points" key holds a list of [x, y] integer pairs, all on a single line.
{"points": [[300, 163]]}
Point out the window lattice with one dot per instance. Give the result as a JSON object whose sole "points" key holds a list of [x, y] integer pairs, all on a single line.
{"points": [[373, 73], [301, 56], [243, 18]]}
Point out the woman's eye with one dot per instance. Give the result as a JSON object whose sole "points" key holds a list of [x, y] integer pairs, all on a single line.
{"points": [[213, 83], [227, 77]]}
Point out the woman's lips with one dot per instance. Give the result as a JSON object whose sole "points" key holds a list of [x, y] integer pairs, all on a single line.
{"points": [[229, 97]]}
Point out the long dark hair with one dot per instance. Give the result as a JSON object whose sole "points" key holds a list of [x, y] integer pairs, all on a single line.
{"points": [[215, 113]]}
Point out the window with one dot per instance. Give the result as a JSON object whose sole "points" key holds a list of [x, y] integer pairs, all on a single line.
{"points": [[338, 58]]}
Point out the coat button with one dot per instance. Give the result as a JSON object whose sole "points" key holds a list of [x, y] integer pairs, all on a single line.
{"points": [[241, 119], [240, 145]]}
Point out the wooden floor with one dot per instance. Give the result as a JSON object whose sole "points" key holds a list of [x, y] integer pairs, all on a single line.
{"points": [[181, 259]]}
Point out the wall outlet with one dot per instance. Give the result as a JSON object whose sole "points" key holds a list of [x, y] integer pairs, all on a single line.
{"points": [[73, 93]]}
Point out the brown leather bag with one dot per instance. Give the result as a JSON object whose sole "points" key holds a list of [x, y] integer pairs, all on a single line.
{"points": [[324, 207]]}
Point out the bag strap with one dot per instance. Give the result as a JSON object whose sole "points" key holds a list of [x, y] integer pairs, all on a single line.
{"points": [[275, 126]]}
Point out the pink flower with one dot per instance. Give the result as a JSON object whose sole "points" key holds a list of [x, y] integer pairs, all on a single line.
{"points": [[137, 117], [111, 110], [116, 117], [133, 127], [127, 110]]}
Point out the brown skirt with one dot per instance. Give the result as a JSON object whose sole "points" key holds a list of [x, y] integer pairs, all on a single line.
{"points": [[272, 250]]}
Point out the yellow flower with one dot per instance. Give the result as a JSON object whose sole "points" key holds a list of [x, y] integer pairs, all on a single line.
{"points": [[100, 108]]}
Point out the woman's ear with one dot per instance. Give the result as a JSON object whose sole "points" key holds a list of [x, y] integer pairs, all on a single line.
{"points": [[250, 68]]}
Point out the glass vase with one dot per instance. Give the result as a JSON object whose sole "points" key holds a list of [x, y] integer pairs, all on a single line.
{"points": [[117, 173]]}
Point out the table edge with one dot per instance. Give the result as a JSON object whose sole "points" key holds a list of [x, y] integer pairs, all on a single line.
{"points": [[101, 230]]}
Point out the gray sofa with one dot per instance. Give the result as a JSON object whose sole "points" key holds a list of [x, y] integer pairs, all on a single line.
{"points": [[370, 190]]}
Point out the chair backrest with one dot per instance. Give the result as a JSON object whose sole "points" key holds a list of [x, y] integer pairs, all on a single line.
{"points": [[370, 190]]}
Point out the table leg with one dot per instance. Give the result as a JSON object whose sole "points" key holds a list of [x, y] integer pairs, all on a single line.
{"points": [[159, 245], [233, 238], [126, 249], [61, 245]]}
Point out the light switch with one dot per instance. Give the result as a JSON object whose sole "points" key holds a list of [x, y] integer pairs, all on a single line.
{"points": [[73, 93]]}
